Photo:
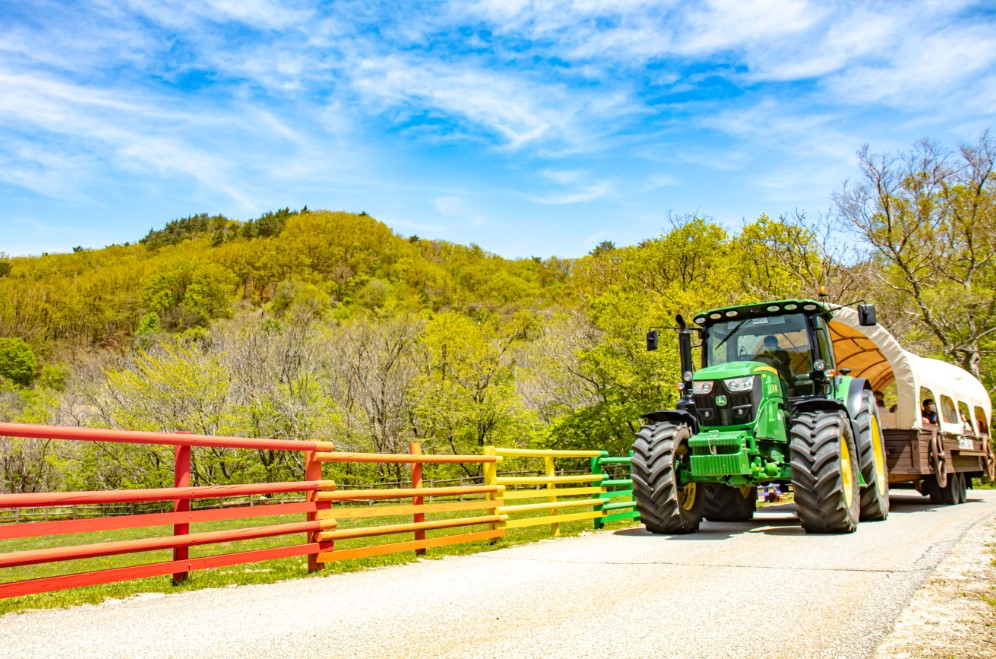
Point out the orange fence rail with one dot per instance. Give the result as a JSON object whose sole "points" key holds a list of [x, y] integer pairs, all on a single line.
{"points": [[448, 507], [489, 502]]}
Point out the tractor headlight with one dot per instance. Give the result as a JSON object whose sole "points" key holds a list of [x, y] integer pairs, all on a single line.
{"points": [[736, 385], [701, 388]]}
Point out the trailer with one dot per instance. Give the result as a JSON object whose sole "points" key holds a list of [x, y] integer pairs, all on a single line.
{"points": [[938, 457]]}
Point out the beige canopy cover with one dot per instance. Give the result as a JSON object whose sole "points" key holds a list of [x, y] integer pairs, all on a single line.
{"points": [[874, 354]]}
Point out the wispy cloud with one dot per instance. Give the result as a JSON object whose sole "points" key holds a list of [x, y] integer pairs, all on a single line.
{"points": [[476, 111]]}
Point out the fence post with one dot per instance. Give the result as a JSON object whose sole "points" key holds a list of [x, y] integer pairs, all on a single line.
{"points": [[490, 473], [313, 472], [416, 449], [551, 472], [596, 469], [181, 478]]}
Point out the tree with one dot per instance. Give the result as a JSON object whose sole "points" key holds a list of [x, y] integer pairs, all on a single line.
{"points": [[465, 395], [370, 374], [17, 361], [930, 217], [795, 256]]}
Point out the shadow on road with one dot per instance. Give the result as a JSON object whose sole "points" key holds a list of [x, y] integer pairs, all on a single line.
{"points": [[782, 520]]}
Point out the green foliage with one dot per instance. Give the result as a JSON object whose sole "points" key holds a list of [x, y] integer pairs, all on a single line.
{"points": [[185, 228], [54, 376], [17, 361], [189, 296], [268, 224]]}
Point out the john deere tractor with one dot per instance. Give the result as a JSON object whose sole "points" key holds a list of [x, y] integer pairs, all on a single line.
{"points": [[768, 405]]}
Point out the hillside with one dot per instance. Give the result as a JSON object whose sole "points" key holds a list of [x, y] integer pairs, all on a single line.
{"points": [[328, 324], [201, 268]]}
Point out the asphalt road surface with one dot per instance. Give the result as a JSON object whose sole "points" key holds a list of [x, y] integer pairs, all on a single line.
{"points": [[732, 589]]}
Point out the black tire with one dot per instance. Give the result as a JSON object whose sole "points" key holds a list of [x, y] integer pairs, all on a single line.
{"points": [[825, 473], [949, 494], [729, 504], [665, 505], [871, 461], [961, 488], [932, 489]]}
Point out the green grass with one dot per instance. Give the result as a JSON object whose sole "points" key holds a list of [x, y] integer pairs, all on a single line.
{"points": [[251, 573]]}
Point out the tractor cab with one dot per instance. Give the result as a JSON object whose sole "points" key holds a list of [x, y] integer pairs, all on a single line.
{"points": [[790, 336]]}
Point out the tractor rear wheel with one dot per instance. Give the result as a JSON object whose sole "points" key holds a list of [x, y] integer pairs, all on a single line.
{"points": [[666, 504], [729, 504], [871, 460], [825, 473]]}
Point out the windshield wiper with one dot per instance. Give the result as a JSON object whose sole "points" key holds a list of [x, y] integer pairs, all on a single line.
{"points": [[732, 332]]}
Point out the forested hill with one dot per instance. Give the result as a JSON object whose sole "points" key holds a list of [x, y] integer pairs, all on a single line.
{"points": [[328, 324], [201, 268], [318, 324]]}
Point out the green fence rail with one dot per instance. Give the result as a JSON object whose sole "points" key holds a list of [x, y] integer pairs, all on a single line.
{"points": [[617, 493]]}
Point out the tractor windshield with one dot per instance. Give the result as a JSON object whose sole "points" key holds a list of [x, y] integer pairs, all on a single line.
{"points": [[781, 341]]}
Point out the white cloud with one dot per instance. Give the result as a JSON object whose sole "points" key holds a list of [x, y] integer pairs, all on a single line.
{"points": [[517, 110], [581, 194], [449, 205]]}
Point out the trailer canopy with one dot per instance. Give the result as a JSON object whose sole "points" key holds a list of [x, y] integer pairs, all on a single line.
{"points": [[874, 354]]}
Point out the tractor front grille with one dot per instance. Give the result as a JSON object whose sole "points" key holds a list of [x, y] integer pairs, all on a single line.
{"points": [[740, 408]]}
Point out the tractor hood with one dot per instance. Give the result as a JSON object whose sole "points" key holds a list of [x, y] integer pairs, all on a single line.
{"points": [[732, 370]]}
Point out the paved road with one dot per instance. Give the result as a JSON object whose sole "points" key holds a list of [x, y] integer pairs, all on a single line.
{"points": [[761, 588]]}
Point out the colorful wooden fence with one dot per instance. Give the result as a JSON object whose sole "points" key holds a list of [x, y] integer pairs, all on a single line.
{"points": [[321, 527], [617, 493], [577, 494], [363, 522]]}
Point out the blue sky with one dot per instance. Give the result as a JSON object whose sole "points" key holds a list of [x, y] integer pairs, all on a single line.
{"points": [[526, 127]]}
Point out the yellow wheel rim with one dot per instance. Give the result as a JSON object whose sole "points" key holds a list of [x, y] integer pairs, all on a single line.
{"points": [[846, 475], [881, 479], [686, 496]]}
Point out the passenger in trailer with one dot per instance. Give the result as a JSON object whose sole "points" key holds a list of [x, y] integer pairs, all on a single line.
{"points": [[929, 411]]}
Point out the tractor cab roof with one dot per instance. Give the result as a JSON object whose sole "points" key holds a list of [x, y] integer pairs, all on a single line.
{"points": [[761, 309]]}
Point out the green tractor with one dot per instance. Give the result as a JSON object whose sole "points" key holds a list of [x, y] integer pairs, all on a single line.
{"points": [[767, 406]]}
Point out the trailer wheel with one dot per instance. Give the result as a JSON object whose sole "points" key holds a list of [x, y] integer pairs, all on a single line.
{"points": [[962, 487], [666, 504], [937, 459], [724, 503], [990, 463], [948, 494], [825, 473], [871, 458]]}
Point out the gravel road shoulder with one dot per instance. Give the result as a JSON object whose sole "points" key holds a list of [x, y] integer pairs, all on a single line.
{"points": [[954, 612]]}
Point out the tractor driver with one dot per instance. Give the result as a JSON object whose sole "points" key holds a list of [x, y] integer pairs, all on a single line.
{"points": [[773, 354]]}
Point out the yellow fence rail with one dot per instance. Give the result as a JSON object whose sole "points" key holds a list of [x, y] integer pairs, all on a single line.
{"points": [[566, 497]]}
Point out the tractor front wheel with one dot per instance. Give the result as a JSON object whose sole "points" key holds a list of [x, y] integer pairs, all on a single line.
{"points": [[825, 473], [666, 504]]}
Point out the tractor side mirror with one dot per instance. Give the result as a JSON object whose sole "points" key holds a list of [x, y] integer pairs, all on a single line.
{"points": [[866, 315], [653, 337]]}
